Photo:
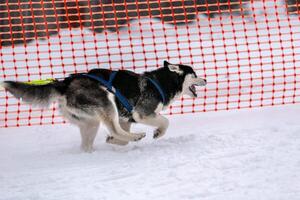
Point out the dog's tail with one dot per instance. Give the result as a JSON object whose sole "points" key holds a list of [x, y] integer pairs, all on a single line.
{"points": [[39, 95]]}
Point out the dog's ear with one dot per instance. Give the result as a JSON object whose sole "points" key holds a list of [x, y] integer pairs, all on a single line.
{"points": [[175, 68], [172, 68], [166, 63]]}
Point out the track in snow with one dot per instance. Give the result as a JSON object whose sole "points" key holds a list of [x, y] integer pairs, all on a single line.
{"points": [[248, 154]]}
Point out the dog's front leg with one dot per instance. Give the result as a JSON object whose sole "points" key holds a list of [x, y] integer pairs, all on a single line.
{"points": [[155, 120]]}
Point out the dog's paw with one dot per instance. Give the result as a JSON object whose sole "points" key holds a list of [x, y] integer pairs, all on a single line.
{"points": [[87, 149], [112, 140], [139, 136], [158, 133]]}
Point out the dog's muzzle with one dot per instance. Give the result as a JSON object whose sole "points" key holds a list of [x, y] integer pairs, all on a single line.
{"points": [[201, 82], [192, 88]]}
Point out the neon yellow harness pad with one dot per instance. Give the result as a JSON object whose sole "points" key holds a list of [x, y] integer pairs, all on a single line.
{"points": [[40, 82]]}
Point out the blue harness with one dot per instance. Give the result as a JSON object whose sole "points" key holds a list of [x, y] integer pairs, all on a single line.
{"points": [[124, 101], [157, 86]]}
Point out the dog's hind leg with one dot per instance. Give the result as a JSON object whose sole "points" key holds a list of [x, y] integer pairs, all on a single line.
{"points": [[125, 126], [110, 118], [88, 126], [117, 132], [88, 131]]}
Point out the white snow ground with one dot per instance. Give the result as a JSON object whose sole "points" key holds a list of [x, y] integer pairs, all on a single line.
{"points": [[247, 154]]}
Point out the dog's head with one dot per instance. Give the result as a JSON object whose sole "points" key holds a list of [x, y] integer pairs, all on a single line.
{"points": [[189, 77]]}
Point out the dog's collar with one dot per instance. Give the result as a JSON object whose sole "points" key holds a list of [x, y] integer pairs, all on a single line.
{"points": [[159, 89]]}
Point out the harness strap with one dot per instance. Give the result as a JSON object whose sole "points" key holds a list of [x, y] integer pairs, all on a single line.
{"points": [[116, 92], [159, 89], [109, 86]]}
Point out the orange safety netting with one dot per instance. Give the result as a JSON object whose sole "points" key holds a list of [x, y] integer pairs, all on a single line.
{"points": [[249, 51]]}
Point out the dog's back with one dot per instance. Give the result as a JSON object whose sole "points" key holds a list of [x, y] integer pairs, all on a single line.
{"points": [[75, 86]]}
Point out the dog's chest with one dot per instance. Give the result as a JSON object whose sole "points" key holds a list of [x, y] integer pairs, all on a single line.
{"points": [[159, 108]]}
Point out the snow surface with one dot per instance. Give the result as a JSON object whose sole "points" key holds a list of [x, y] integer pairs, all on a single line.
{"points": [[246, 154]]}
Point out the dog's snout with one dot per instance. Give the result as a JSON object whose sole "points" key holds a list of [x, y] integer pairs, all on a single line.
{"points": [[202, 82]]}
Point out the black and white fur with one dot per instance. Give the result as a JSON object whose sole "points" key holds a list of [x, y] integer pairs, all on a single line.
{"points": [[87, 103]]}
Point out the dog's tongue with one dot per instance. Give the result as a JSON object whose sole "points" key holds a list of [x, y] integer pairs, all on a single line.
{"points": [[193, 90]]}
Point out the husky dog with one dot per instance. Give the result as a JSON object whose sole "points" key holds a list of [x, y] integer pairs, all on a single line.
{"points": [[86, 102]]}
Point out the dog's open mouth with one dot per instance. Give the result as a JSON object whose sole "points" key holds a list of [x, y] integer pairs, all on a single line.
{"points": [[193, 90]]}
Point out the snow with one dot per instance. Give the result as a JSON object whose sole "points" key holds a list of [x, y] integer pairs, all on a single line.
{"points": [[240, 154]]}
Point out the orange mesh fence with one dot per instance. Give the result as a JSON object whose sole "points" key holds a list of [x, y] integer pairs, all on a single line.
{"points": [[249, 51]]}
